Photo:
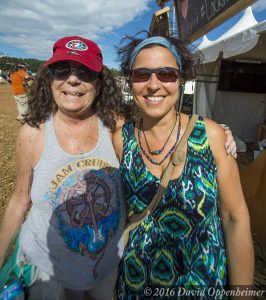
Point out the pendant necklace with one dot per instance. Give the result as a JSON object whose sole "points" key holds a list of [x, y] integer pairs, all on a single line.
{"points": [[168, 153], [159, 151]]}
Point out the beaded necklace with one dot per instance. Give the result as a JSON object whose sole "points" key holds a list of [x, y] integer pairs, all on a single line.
{"points": [[159, 151], [168, 153]]}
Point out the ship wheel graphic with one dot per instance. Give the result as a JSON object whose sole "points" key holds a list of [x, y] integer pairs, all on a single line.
{"points": [[86, 202]]}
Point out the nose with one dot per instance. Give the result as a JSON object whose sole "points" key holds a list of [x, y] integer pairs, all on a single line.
{"points": [[73, 77], [153, 82]]}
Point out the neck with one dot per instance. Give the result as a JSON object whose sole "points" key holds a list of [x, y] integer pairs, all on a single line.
{"points": [[71, 120], [161, 124], [76, 136]]}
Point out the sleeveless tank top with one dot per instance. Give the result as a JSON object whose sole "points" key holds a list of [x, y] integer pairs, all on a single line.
{"points": [[181, 243], [77, 217]]}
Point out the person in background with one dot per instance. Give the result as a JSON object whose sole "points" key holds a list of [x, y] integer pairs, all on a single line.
{"points": [[199, 234], [19, 77], [68, 175]]}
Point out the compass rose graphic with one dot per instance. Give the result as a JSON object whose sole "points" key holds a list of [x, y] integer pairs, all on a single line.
{"points": [[84, 211]]}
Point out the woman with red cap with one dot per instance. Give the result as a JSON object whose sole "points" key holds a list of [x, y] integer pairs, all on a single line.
{"points": [[68, 172]]}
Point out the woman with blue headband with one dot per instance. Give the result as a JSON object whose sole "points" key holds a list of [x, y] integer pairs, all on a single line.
{"points": [[192, 240]]}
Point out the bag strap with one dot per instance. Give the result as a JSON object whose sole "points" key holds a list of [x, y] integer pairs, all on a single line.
{"points": [[176, 159]]}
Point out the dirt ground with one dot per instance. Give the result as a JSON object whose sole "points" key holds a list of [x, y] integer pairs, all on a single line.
{"points": [[9, 127]]}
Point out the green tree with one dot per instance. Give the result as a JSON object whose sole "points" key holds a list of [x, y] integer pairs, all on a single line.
{"points": [[115, 72], [7, 63]]}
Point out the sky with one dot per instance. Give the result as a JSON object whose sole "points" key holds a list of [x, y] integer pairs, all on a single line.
{"points": [[28, 29]]}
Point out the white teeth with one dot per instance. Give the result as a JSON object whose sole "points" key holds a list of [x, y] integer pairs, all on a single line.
{"points": [[155, 98]]}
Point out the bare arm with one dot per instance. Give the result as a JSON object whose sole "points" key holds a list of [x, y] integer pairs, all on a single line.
{"points": [[20, 199], [234, 212]]}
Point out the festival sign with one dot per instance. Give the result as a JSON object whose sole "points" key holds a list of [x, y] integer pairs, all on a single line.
{"points": [[160, 23], [196, 17]]}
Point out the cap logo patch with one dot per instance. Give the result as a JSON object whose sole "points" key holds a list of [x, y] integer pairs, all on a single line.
{"points": [[76, 45]]}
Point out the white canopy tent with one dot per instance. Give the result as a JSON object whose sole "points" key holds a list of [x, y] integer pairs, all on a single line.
{"points": [[246, 42]]}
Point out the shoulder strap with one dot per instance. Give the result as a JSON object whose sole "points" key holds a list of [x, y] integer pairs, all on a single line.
{"points": [[176, 159]]}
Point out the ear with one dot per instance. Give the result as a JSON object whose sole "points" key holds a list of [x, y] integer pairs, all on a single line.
{"points": [[181, 82]]}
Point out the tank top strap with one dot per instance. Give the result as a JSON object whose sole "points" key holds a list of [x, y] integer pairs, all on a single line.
{"points": [[199, 150], [128, 132], [50, 136], [104, 134], [198, 134]]}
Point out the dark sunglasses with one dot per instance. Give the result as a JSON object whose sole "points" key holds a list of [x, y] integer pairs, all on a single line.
{"points": [[165, 74], [62, 71]]}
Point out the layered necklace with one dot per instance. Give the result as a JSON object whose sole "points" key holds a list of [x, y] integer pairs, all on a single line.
{"points": [[159, 151]]}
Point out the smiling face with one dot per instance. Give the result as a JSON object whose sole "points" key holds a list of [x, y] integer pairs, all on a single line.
{"points": [[74, 96], [154, 97]]}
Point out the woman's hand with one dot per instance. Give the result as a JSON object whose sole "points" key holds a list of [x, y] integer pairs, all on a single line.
{"points": [[230, 144]]}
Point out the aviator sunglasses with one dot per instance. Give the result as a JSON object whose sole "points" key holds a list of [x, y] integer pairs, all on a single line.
{"points": [[166, 74], [63, 70]]}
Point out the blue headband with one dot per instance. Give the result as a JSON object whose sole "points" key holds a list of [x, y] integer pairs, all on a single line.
{"points": [[155, 40]]}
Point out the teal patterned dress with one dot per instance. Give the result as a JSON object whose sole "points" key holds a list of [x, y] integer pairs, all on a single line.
{"points": [[181, 244]]}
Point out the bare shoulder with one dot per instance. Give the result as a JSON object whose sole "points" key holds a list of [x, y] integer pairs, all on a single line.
{"points": [[213, 129], [28, 135], [26, 131], [30, 142]]}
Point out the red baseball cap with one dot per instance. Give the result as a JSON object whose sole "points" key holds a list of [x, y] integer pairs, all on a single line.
{"points": [[78, 49]]}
